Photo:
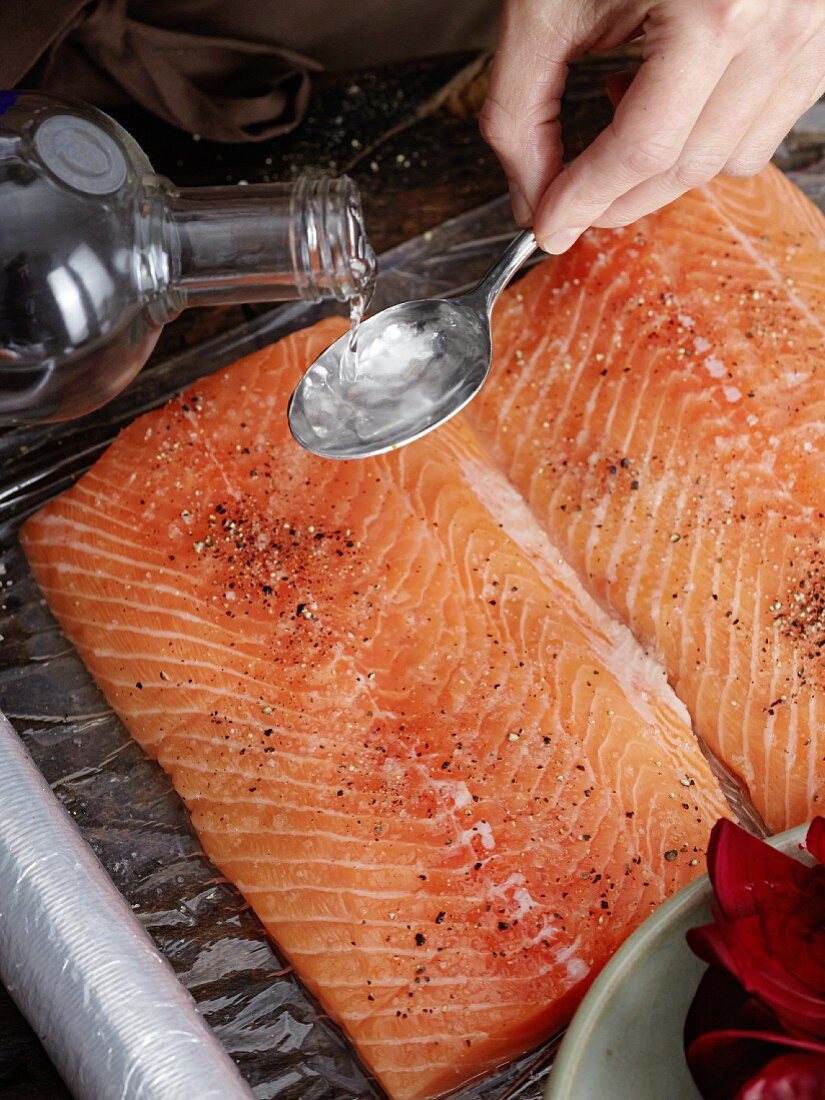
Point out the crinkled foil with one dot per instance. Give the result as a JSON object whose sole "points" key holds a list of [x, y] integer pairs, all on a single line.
{"points": [[105, 1003]]}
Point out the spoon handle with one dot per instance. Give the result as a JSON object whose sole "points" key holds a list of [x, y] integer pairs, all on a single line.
{"points": [[521, 248]]}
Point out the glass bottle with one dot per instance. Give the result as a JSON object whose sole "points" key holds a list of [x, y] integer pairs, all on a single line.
{"points": [[97, 253]]}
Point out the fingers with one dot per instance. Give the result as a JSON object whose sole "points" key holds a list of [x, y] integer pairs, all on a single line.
{"points": [[746, 101], [521, 112], [651, 126], [803, 86], [721, 83], [736, 103]]}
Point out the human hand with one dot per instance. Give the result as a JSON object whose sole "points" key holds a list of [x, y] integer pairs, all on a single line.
{"points": [[721, 83]]}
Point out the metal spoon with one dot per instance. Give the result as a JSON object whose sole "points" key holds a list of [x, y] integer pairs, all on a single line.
{"points": [[417, 364]]}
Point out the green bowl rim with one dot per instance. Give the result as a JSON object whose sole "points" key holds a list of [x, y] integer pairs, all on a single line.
{"points": [[655, 927]]}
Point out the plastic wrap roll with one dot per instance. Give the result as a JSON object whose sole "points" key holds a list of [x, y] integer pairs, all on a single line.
{"points": [[106, 1005]]}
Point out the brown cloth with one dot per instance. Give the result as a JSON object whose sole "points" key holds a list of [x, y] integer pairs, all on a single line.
{"points": [[228, 70]]}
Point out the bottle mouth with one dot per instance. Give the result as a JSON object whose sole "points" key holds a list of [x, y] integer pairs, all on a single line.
{"points": [[331, 252]]}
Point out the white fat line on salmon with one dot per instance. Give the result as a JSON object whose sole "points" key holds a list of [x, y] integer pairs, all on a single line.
{"points": [[279, 921], [454, 795], [439, 1039], [201, 441], [98, 509], [280, 781], [463, 980], [514, 890], [342, 840], [153, 586], [775, 276], [632, 526], [640, 675], [150, 656], [338, 890], [658, 558], [405, 871], [598, 333], [592, 547], [470, 1006], [747, 589], [191, 721], [575, 968]]}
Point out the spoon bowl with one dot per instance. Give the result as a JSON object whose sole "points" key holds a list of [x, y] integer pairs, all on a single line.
{"points": [[417, 364]]}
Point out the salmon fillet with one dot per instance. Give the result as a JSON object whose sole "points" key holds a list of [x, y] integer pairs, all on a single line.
{"points": [[658, 398], [447, 782]]}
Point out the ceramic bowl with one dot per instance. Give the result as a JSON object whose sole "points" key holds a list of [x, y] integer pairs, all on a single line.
{"points": [[625, 1041]]}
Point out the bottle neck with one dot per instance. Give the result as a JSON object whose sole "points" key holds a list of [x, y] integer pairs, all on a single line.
{"points": [[268, 242]]}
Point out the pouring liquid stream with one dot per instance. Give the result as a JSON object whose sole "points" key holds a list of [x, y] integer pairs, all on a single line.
{"points": [[349, 358]]}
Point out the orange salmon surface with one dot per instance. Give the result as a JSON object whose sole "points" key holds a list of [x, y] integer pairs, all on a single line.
{"points": [[448, 782], [658, 398]]}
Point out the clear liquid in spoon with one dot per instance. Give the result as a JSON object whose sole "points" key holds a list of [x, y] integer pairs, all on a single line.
{"points": [[399, 373]]}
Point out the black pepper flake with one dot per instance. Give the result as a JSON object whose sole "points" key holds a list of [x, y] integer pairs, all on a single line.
{"points": [[503, 926], [440, 917], [139, 685], [420, 939], [634, 485], [671, 855]]}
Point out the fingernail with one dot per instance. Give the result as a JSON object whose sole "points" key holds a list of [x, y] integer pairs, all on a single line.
{"points": [[521, 208], [561, 239]]}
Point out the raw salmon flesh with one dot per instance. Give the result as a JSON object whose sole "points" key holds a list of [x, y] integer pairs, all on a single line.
{"points": [[659, 401], [396, 696]]}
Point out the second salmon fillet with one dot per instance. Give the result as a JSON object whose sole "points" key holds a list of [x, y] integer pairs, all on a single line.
{"points": [[658, 397]]}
